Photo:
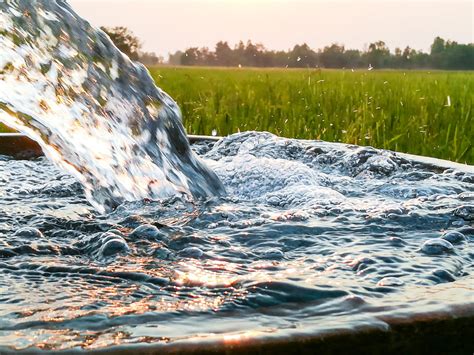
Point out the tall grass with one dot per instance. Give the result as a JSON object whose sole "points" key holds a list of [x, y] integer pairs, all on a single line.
{"points": [[426, 113]]}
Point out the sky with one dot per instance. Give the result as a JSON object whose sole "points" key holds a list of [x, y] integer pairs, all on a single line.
{"points": [[165, 26]]}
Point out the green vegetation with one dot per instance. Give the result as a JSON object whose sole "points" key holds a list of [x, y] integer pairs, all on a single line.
{"points": [[418, 112]]}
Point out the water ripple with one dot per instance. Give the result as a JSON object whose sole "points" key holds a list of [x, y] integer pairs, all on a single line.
{"points": [[312, 236]]}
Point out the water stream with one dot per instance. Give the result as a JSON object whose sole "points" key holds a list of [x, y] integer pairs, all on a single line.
{"points": [[94, 112], [126, 247]]}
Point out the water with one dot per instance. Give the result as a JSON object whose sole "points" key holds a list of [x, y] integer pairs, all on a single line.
{"points": [[124, 237], [94, 112], [312, 237]]}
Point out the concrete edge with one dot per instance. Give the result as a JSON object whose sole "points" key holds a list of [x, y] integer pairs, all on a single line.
{"points": [[434, 334], [20, 146]]}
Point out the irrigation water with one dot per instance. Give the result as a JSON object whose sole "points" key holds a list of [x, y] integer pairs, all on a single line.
{"points": [[94, 112], [136, 243]]}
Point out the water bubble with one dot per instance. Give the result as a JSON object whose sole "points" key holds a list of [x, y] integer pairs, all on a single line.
{"points": [[272, 254], [436, 246], [397, 241], [114, 246], [465, 212], [444, 275], [162, 253], [29, 233], [147, 231], [454, 237], [390, 282], [192, 252], [361, 263]]}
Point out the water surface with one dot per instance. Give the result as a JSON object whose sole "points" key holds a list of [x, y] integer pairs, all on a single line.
{"points": [[312, 237]]}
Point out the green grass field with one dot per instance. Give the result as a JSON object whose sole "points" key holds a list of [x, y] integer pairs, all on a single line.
{"points": [[418, 112], [407, 112]]}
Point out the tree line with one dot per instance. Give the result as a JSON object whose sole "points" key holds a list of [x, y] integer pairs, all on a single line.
{"points": [[444, 54]]}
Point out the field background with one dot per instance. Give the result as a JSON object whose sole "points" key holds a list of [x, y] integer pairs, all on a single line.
{"points": [[402, 111], [418, 112]]}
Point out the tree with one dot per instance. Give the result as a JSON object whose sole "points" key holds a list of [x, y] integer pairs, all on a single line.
{"points": [[333, 56], [175, 58], [378, 54], [150, 58], [353, 58], [125, 40], [191, 56], [438, 46], [444, 55], [302, 56], [224, 54]]}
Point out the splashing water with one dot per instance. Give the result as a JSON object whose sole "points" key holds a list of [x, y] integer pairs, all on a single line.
{"points": [[93, 111], [313, 237]]}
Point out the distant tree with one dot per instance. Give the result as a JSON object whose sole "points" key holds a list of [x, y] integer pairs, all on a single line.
{"points": [[396, 61], [239, 53], [150, 58], [224, 54], [438, 49], [354, 58], [191, 56], [175, 58], [125, 40], [253, 54], [302, 56], [444, 54], [197, 56], [333, 56], [378, 54], [438, 46], [451, 55], [459, 56]]}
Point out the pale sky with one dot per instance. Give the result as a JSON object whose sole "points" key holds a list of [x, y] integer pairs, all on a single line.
{"points": [[168, 25]]}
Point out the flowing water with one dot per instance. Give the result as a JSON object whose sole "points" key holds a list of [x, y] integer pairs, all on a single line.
{"points": [[310, 237], [94, 112]]}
